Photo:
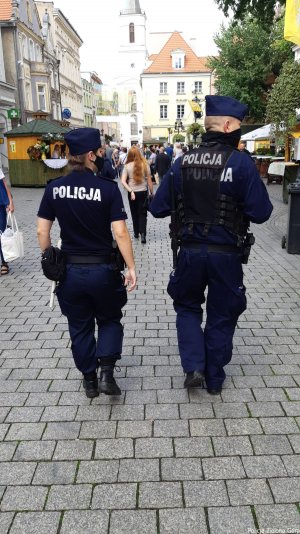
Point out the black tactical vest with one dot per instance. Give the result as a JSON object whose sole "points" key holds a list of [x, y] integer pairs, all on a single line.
{"points": [[201, 171]]}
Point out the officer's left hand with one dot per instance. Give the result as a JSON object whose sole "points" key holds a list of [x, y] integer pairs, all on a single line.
{"points": [[130, 279]]}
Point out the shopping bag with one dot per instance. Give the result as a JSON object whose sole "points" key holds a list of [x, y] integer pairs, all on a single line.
{"points": [[12, 243]]}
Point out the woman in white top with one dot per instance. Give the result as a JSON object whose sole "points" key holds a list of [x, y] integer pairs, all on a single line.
{"points": [[6, 204], [136, 179]]}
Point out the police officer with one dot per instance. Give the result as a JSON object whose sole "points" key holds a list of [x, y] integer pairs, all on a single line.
{"points": [[218, 191], [86, 206]]}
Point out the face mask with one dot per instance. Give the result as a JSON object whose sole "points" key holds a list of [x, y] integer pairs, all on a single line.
{"points": [[99, 162], [231, 139]]}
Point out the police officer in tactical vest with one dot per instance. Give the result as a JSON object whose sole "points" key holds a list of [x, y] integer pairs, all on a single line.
{"points": [[217, 191], [86, 206]]}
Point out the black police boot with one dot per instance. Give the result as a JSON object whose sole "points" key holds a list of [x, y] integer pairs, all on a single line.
{"points": [[194, 379], [136, 235], [90, 384], [214, 391], [107, 383], [143, 238]]}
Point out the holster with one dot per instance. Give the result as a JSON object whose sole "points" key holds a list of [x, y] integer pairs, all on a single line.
{"points": [[117, 258]]}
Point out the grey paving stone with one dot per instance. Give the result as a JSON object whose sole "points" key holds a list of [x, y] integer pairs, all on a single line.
{"points": [[153, 448], [34, 450], [292, 464], [7, 451], [24, 498], [237, 520], [9, 386], [3, 413], [269, 394], [55, 473], [24, 414], [98, 429], [128, 412], [291, 408], [279, 381], [195, 411], [112, 496], [231, 409], [98, 472], [278, 517], [295, 442], [208, 427], [279, 425], [93, 413], [264, 466], [32, 386], [74, 450], [59, 413], [223, 468], [156, 382], [248, 382], [5, 521], [15, 474], [285, 490], [171, 428], [265, 409], [66, 430], [205, 493], [36, 523], [114, 448], [134, 429], [181, 469], [141, 397], [25, 431], [133, 522], [75, 497], [271, 445], [87, 521], [240, 427], [3, 430], [138, 470], [193, 447], [173, 396], [160, 495], [190, 521], [242, 492], [232, 446], [162, 411], [293, 393]]}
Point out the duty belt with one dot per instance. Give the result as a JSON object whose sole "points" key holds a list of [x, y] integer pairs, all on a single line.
{"points": [[73, 258], [196, 245]]}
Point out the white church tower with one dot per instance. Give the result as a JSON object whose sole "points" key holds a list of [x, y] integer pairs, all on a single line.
{"points": [[131, 63]]}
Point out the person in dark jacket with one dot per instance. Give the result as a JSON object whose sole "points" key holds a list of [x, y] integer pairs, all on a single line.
{"points": [[162, 163], [92, 292], [108, 170], [217, 190]]}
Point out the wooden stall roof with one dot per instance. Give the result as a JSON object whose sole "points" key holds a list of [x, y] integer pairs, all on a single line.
{"points": [[35, 128]]}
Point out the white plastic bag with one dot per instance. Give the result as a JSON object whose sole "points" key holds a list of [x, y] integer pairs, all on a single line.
{"points": [[12, 240]]}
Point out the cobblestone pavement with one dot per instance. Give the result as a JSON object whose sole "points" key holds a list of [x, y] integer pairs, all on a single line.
{"points": [[157, 459]]}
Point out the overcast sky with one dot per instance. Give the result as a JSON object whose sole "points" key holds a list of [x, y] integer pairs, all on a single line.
{"points": [[96, 21]]}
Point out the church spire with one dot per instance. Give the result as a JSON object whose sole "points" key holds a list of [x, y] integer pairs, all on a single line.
{"points": [[131, 7]]}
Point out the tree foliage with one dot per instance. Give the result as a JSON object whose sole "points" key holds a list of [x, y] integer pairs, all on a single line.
{"points": [[261, 9], [250, 58], [195, 129], [284, 98]]}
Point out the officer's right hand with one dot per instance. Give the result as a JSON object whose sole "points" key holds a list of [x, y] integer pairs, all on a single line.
{"points": [[130, 279]]}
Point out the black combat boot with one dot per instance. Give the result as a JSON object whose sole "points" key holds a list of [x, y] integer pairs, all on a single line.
{"points": [[143, 238], [90, 384], [107, 383], [194, 379]]}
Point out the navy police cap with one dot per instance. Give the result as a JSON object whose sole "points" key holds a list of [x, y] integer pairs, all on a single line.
{"points": [[83, 140], [225, 106]]}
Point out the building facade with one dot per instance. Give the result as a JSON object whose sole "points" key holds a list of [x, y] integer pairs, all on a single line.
{"points": [[7, 103], [91, 89], [175, 80]]}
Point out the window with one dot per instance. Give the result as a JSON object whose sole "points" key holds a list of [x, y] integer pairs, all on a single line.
{"points": [[28, 95], [163, 88], [163, 111], [134, 125], [41, 94], [131, 32], [180, 87], [178, 58], [31, 51], [178, 63], [198, 87], [180, 111], [24, 47]]}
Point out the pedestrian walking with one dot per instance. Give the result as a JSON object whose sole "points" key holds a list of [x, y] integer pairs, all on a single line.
{"points": [[6, 205], [86, 206], [162, 163], [217, 191], [136, 179]]}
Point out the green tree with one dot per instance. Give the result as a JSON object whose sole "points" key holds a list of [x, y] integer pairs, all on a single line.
{"points": [[250, 58], [195, 130], [262, 9], [284, 99], [178, 138]]}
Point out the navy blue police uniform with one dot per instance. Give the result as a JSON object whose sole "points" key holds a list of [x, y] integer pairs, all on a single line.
{"points": [[218, 191], [85, 205]]}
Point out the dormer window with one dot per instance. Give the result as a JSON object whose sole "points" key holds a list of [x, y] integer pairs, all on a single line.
{"points": [[178, 59], [131, 32]]}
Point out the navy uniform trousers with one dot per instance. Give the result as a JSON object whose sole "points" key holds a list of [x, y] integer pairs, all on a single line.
{"points": [[207, 350], [90, 294]]}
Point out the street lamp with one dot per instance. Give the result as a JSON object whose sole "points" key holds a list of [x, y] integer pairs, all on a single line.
{"points": [[178, 127], [197, 114]]}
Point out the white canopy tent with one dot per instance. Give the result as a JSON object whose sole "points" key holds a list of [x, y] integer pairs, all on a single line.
{"points": [[260, 133]]}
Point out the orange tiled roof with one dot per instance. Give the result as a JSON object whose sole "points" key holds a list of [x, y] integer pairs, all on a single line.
{"points": [[162, 62], [5, 10]]}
